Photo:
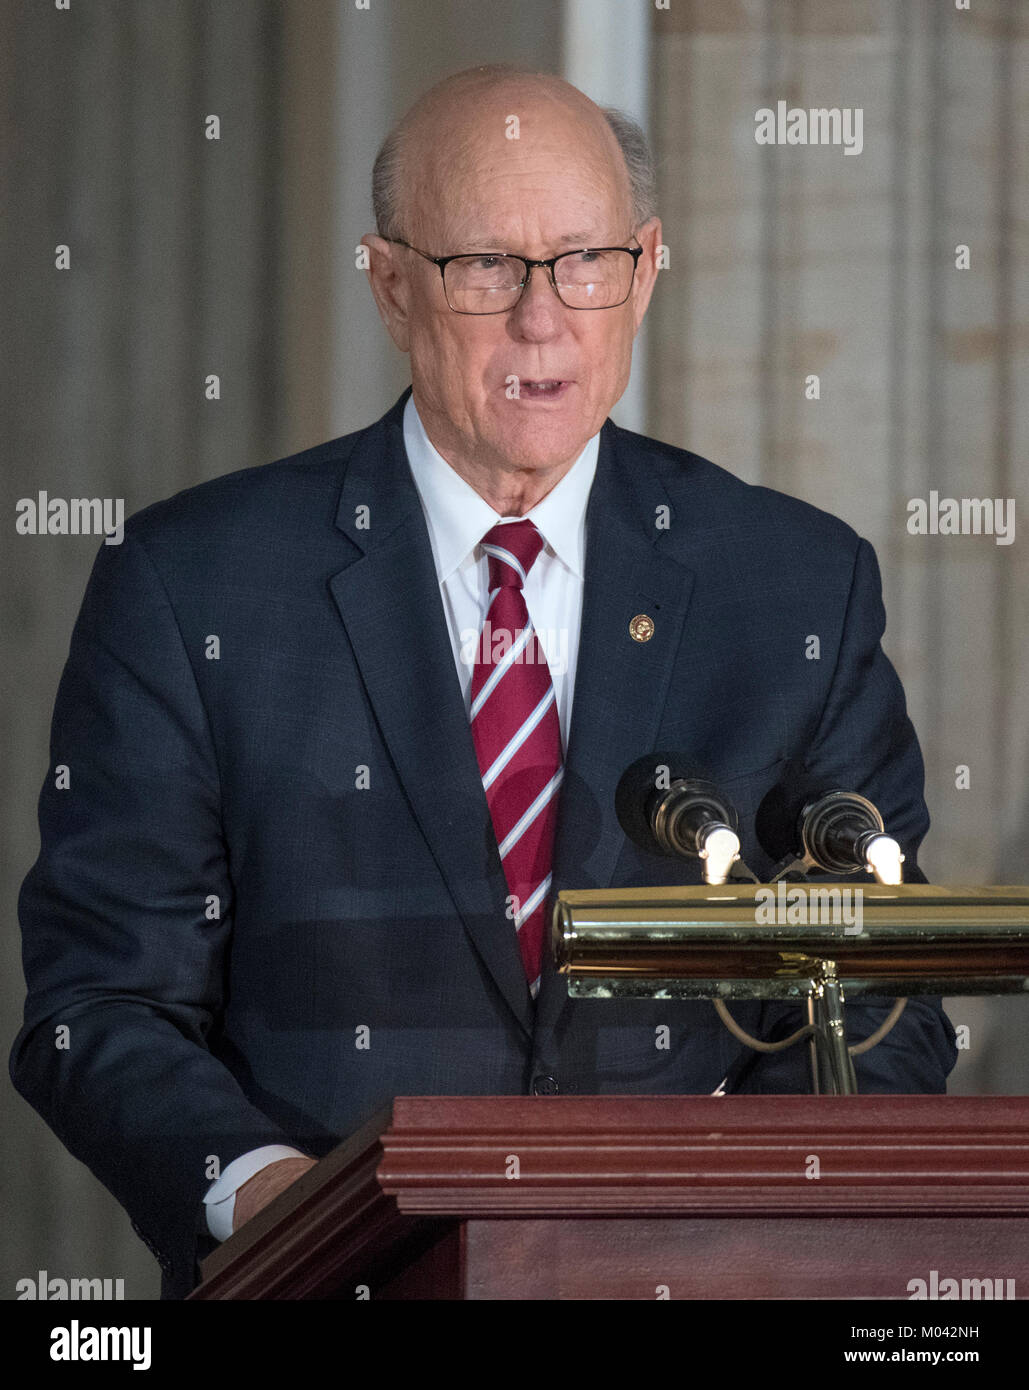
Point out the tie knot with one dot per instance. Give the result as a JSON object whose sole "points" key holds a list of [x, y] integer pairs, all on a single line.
{"points": [[512, 548]]}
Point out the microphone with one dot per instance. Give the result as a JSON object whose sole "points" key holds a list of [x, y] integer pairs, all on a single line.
{"points": [[836, 831], [668, 808]]}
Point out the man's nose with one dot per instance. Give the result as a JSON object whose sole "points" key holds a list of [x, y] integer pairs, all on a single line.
{"points": [[539, 312]]}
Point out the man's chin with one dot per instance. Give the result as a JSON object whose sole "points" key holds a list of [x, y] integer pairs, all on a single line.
{"points": [[540, 455], [541, 438]]}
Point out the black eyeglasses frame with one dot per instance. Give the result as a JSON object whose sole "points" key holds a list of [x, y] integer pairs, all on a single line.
{"points": [[443, 261]]}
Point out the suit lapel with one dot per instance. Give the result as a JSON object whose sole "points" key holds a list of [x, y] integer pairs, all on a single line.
{"points": [[621, 684], [388, 598]]}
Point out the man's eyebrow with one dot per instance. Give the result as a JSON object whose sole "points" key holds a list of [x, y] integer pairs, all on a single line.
{"points": [[578, 239]]}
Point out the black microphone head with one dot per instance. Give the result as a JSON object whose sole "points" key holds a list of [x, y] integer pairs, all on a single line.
{"points": [[640, 784], [777, 820], [835, 828], [802, 817]]}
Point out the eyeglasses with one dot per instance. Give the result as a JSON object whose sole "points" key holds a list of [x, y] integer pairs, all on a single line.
{"points": [[597, 277]]}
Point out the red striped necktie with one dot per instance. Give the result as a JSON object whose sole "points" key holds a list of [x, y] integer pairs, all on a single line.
{"points": [[517, 736]]}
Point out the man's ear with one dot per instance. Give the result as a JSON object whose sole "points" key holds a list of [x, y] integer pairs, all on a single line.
{"points": [[649, 237], [389, 286]]}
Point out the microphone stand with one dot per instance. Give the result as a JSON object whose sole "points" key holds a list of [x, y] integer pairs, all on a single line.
{"points": [[832, 1065]]}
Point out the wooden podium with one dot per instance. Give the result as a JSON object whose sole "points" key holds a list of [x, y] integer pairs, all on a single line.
{"points": [[646, 1197]]}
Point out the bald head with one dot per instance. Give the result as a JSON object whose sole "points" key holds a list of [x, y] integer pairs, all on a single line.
{"points": [[442, 133]]}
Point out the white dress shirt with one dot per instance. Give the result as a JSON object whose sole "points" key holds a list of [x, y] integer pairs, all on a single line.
{"points": [[457, 519]]}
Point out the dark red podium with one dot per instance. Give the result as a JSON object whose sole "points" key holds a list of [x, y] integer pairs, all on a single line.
{"points": [[612, 1197]]}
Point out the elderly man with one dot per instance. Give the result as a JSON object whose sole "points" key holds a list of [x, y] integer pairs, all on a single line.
{"points": [[313, 814]]}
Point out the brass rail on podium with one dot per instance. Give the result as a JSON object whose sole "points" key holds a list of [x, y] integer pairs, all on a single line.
{"points": [[813, 942]]}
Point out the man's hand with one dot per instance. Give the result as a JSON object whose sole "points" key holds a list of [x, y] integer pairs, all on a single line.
{"points": [[266, 1185]]}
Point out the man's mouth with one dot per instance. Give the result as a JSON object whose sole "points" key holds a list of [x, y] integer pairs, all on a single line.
{"points": [[545, 388]]}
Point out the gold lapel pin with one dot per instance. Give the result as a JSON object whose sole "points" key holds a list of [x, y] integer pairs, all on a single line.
{"points": [[641, 629]]}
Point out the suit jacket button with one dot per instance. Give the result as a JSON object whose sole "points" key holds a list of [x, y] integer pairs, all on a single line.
{"points": [[545, 1086]]}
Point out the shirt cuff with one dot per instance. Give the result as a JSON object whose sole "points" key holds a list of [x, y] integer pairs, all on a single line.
{"points": [[220, 1199]]}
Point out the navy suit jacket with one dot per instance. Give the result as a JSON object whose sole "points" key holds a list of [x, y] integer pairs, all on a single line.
{"points": [[219, 906]]}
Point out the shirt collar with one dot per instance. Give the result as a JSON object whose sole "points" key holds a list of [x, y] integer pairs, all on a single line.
{"points": [[458, 517]]}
